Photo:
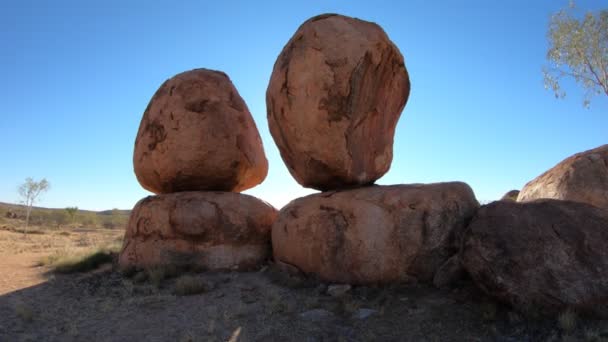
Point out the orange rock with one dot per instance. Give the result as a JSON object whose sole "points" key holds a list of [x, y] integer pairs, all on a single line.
{"points": [[209, 230], [376, 234], [582, 177], [198, 135], [335, 96]]}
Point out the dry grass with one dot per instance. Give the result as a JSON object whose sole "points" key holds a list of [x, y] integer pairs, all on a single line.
{"points": [[190, 285], [567, 320], [24, 312]]}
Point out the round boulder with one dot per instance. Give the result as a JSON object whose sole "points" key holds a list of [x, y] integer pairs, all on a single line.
{"points": [[208, 230], [198, 135], [377, 234], [546, 256], [582, 177], [334, 98]]}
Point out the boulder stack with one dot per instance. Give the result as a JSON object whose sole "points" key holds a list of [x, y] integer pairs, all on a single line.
{"points": [[197, 147], [334, 98]]}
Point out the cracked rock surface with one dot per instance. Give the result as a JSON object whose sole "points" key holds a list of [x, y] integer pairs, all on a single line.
{"points": [[205, 230], [376, 234], [334, 98], [197, 135]]}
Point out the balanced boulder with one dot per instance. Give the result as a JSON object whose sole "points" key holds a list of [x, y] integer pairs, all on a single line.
{"points": [[376, 234], [208, 230], [334, 98], [546, 255], [582, 177], [198, 135]]}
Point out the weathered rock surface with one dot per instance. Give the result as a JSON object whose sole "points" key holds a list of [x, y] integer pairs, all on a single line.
{"points": [[198, 135], [377, 234], [208, 230], [334, 98], [546, 255], [582, 177]]}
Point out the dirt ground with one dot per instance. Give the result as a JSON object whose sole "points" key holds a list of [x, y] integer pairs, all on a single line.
{"points": [[267, 305]]}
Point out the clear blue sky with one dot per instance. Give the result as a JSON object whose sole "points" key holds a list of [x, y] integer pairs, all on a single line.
{"points": [[77, 76]]}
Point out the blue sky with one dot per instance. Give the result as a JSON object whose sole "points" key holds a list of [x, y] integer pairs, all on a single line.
{"points": [[77, 76]]}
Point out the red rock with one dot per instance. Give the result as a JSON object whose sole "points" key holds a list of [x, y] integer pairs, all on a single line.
{"points": [[335, 96], [377, 234], [198, 135], [582, 177], [209, 230], [545, 256]]}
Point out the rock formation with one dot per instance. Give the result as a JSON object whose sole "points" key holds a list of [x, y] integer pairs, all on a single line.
{"points": [[376, 234], [198, 135], [334, 98], [197, 147], [546, 255], [212, 230]]}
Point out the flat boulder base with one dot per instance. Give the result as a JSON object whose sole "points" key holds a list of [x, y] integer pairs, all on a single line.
{"points": [[206, 230], [545, 256], [376, 234], [198, 135], [582, 177], [334, 98]]}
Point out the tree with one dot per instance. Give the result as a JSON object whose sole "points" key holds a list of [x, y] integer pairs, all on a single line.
{"points": [[72, 211], [578, 49], [29, 192]]}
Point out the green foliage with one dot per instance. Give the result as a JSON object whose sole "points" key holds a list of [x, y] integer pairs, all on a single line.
{"points": [[578, 48]]}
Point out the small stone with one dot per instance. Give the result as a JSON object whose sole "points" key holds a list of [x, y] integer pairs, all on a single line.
{"points": [[338, 290], [364, 313], [317, 315]]}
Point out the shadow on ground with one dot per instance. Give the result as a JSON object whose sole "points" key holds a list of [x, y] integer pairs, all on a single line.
{"points": [[258, 306]]}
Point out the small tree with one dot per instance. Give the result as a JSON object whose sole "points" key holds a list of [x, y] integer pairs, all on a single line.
{"points": [[29, 192], [72, 211], [578, 48]]}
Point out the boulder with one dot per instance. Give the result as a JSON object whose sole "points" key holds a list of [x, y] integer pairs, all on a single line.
{"points": [[198, 135], [510, 196], [546, 255], [205, 230], [377, 234], [582, 177], [334, 98]]}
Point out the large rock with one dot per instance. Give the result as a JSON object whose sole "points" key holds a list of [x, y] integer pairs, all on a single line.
{"points": [[582, 177], [377, 234], [209, 230], [198, 135], [546, 255], [334, 98]]}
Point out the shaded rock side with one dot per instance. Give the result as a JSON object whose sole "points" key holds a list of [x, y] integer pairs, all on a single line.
{"points": [[206, 230], [377, 234], [334, 98], [547, 255], [198, 135]]}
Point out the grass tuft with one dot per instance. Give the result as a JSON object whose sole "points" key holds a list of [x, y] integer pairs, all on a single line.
{"points": [[24, 312], [567, 320], [190, 285]]}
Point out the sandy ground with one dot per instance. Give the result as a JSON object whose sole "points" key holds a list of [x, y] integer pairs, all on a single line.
{"points": [[267, 305]]}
